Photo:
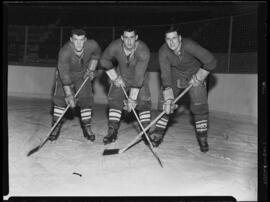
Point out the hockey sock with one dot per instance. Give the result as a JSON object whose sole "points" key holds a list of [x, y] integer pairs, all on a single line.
{"points": [[114, 115]]}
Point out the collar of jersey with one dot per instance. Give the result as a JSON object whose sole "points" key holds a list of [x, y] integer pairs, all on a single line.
{"points": [[131, 52], [178, 50], [73, 48]]}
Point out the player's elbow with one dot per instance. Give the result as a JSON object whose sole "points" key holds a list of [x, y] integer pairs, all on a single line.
{"points": [[214, 63], [102, 62], [66, 80], [105, 64], [209, 66]]}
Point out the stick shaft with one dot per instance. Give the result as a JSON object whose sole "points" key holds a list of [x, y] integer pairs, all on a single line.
{"points": [[140, 123], [153, 122], [58, 120], [144, 132]]}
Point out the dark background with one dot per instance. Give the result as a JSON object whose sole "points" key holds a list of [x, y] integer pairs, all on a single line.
{"points": [[36, 31], [120, 12]]}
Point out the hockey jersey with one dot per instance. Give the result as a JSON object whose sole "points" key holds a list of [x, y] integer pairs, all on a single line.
{"points": [[192, 57], [131, 68], [71, 66]]}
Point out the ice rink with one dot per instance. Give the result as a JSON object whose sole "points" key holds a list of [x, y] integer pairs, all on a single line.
{"points": [[73, 166]]}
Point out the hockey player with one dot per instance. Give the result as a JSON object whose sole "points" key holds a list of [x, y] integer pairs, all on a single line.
{"points": [[183, 62], [132, 56], [77, 59]]}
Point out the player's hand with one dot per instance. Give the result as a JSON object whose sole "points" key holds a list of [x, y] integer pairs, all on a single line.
{"points": [[169, 107], [195, 82], [130, 104], [118, 82], [71, 100], [89, 73]]}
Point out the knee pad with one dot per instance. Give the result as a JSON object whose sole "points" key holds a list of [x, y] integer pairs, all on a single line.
{"points": [[144, 105], [85, 102], [59, 101], [199, 109], [116, 104]]}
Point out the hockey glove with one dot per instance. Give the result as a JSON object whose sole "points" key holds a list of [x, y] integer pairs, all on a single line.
{"points": [[89, 73], [70, 99], [118, 82], [198, 78], [131, 103], [168, 105], [115, 78], [91, 70]]}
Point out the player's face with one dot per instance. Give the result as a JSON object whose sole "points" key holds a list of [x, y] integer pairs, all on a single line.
{"points": [[78, 41], [172, 39], [129, 39]]}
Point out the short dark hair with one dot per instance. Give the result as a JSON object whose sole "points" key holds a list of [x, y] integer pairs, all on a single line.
{"points": [[129, 29], [78, 32], [172, 28]]}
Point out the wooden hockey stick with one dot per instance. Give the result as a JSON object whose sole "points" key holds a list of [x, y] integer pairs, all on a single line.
{"points": [[58, 120], [134, 141], [143, 130]]}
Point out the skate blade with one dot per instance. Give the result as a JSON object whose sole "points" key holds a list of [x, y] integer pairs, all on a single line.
{"points": [[110, 151]]}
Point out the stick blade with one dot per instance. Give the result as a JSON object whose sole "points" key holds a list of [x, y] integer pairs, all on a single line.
{"points": [[110, 152], [33, 151]]}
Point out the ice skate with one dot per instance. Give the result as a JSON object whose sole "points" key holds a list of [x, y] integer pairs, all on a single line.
{"points": [[112, 135], [202, 140], [157, 137], [88, 133]]}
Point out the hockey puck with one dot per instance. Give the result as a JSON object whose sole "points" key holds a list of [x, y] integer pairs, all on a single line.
{"points": [[77, 174]]}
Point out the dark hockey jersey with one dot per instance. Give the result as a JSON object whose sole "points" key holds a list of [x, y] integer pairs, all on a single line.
{"points": [[131, 69], [71, 66], [192, 57]]}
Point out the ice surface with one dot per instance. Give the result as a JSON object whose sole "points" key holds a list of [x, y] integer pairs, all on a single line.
{"points": [[228, 169]]}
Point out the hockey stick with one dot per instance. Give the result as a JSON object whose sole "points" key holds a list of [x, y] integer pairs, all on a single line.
{"points": [[119, 151], [144, 132], [58, 120]]}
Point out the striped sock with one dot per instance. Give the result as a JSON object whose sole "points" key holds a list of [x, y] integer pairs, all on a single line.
{"points": [[145, 117], [162, 123], [114, 115], [86, 115], [58, 111], [201, 126]]}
